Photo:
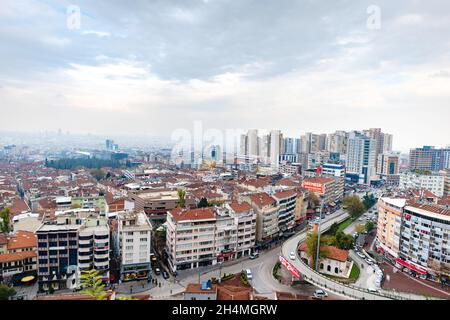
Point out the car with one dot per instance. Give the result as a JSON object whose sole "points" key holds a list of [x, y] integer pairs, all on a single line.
{"points": [[165, 275], [372, 290], [157, 271], [361, 255], [319, 294], [249, 274], [254, 255], [292, 255], [360, 219], [369, 261]]}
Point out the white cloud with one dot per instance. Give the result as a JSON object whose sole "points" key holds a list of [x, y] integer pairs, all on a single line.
{"points": [[96, 33]]}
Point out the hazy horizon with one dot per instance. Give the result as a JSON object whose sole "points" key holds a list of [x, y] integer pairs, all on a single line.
{"points": [[149, 68]]}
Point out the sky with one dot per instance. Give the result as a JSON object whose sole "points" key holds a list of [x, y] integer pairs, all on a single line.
{"points": [[152, 67]]}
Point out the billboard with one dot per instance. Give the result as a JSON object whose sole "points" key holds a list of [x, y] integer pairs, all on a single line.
{"points": [[290, 267], [314, 187]]}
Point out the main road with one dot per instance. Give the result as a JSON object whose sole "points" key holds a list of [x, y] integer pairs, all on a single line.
{"points": [[325, 283]]}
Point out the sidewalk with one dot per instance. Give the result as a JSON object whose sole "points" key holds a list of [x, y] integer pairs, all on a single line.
{"points": [[133, 287]]}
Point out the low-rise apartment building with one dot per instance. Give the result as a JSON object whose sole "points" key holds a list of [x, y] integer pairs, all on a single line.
{"points": [[245, 219], [331, 189], [425, 239], [70, 243], [133, 245], [18, 255], [389, 224], [431, 182], [416, 236], [266, 209], [206, 236], [286, 201]]}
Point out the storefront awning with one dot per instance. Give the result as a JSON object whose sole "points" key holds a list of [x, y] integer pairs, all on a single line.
{"points": [[410, 266]]}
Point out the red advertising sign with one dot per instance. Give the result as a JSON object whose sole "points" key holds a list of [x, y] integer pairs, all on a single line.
{"points": [[314, 187], [290, 267]]}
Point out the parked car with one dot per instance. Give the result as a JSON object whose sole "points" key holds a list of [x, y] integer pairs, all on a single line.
{"points": [[319, 294], [361, 255], [292, 255], [249, 274], [369, 261], [157, 271], [373, 290], [165, 275], [254, 255]]}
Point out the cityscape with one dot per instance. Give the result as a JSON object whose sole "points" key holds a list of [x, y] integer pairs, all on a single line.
{"points": [[212, 161]]}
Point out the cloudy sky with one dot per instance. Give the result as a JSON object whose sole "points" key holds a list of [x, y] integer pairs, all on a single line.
{"points": [[300, 66]]}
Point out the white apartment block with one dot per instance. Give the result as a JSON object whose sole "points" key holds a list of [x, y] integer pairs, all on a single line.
{"points": [[94, 245], [206, 236], [432, 182], [134, 245], [425, 238]]}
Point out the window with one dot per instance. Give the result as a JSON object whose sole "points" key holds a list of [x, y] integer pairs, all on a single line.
{"points": [[336, 270], [143, 239], [329, 268], [129, 241], [321, 266]]}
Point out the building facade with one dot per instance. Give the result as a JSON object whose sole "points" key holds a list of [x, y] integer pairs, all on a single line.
{"points": [[133, 243]]}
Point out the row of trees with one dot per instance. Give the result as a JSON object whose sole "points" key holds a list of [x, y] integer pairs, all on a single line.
{"points": [[90, 163]]}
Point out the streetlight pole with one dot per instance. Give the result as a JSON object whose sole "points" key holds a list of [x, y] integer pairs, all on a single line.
{"points": [[318, 236]]}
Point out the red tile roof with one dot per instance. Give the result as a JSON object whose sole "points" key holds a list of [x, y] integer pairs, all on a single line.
{"points": [[240, 207], [193, 214], [431, 208], [284, 194], [22, 239], [333, 253], [17, 256], [321, 180], [262, 199]]}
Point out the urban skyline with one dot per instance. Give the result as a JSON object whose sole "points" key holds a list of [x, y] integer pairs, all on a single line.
{"points": [[318, 67]]}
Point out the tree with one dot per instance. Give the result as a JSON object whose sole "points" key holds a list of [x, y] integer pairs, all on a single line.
{"points": [[369, 201], [311, 245], [203, 203], [360, 228], [344, 241], [6, 292], [92, 284], [333, 229], [98, 174], [354, 206], [314, 200], [5, 223], [370, 226], [181, 202]]}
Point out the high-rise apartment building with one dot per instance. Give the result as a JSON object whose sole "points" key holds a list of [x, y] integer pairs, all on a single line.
{"points": [[337, 142], [361, 161], [421, 158]]}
